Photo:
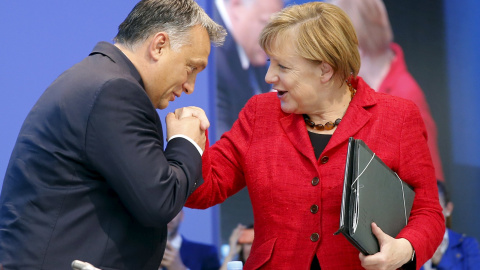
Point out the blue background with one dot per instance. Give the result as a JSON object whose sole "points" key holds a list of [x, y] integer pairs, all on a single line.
{"points": [[39, 40]]}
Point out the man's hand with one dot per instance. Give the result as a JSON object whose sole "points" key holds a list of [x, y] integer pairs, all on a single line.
{"points": [[393, 252], [189, 122], [193, 111], [171, 259]]}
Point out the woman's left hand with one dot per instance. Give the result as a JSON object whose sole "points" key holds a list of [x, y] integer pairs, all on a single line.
{"points": [[393, 252]]}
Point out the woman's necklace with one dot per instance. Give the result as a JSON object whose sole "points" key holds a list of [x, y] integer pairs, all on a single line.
{"points": [[329, 125]]}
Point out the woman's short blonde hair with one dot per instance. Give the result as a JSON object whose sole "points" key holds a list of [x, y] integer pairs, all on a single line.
{"points": [[323, 32]]}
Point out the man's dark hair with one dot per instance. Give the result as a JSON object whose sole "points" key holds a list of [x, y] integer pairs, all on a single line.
{"points": [[175, 17]]}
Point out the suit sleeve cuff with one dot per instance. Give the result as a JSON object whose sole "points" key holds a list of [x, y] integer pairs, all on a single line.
{"points": [[200, 151]]}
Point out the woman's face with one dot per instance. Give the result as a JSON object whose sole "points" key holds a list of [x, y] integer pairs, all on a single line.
{"points": [[296, 79]]}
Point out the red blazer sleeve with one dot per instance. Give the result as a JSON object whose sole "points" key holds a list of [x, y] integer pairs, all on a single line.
{"points": [[415, 167], [223, 162]]}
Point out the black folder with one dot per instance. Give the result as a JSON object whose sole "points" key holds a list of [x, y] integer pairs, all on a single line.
{"points": [[372, 192]]}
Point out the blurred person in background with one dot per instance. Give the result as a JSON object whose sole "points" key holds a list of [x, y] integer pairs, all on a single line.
{"points": [[240, 244], [457, 251], [182, 254], [383, 63], [240, 62]]}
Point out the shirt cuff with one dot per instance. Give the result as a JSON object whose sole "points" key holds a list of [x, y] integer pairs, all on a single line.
{"points": [[200, 151]]}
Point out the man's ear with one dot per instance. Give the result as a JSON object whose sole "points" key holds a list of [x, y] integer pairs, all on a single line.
{"points": [[327, 72], [158, 44]]}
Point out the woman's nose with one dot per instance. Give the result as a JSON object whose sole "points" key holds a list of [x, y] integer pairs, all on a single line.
{"points": [[270, 77]]}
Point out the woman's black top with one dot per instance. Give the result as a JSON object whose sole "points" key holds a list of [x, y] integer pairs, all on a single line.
{"points": [[319, 142]]}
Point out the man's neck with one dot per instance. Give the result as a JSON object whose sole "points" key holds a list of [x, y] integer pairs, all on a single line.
{"points": [[138, 60]]}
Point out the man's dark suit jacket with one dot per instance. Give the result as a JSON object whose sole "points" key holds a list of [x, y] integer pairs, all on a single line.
{"points": [[234, 84], [89, 178], [197, 256]]}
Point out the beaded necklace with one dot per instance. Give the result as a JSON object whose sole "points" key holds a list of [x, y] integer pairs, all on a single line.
{"points": [[329, 125]]}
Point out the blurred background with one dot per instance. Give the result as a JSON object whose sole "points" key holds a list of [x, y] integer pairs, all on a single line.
{"points": [[440, 39]]}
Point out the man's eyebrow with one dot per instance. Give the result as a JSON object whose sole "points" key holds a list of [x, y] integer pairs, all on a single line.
{"points": [[199, 63]]}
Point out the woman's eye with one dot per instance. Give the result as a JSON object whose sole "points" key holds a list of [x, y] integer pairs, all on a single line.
{"points": [[279, 65]]}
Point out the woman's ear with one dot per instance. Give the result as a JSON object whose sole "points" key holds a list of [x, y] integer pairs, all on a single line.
{"points": [[327, 72]]}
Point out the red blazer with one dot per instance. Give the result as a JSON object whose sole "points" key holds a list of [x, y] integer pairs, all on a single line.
{"points": [[270, 152]]}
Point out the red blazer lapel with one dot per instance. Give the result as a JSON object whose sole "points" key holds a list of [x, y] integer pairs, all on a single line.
{"points": [[295, 130], [356, 117]]}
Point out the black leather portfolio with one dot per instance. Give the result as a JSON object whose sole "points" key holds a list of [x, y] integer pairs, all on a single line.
{"points": [[372, 192]]}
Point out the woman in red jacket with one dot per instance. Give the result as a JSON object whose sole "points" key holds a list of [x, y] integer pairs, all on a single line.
{"points": [[289, 149]]}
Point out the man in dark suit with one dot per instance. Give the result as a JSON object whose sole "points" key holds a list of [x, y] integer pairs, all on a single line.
{"points": [[89, 178], [241, 62], [182, 254]]}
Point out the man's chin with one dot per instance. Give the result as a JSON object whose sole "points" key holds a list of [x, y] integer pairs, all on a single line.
{"points": [[163, 105]]}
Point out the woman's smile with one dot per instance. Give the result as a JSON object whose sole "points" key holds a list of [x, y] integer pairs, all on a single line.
{"points": [[281, 94]]}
